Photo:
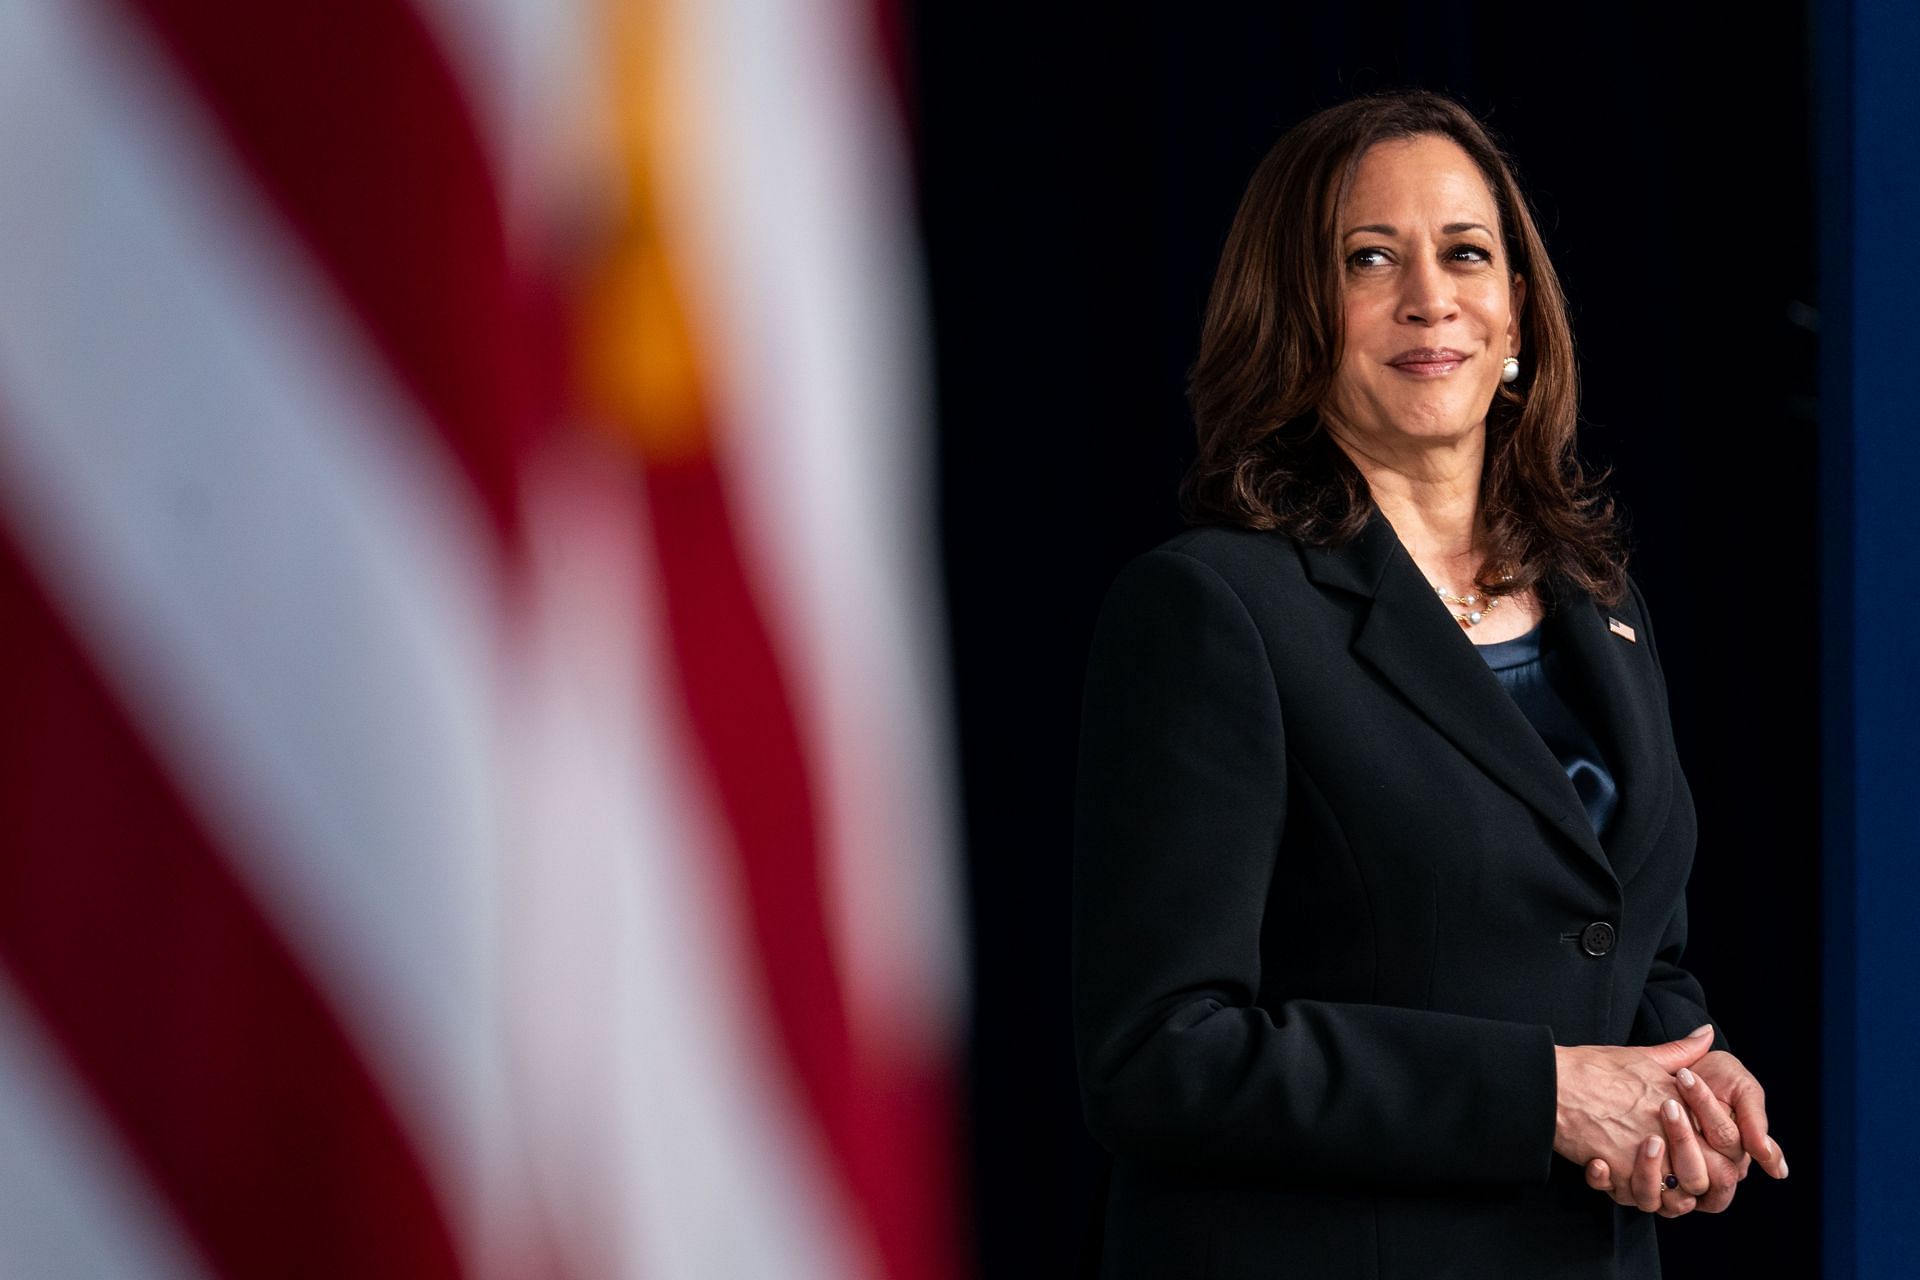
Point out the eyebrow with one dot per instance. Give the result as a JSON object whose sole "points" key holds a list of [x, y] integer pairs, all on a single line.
{"points": [[1451, 229]]}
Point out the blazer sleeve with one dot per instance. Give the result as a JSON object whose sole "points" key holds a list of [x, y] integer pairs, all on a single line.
{"points": [[1672, 1003], [1180, 804]]}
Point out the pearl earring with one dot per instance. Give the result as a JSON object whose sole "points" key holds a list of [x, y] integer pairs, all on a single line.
{"points": [[1509, 369]]}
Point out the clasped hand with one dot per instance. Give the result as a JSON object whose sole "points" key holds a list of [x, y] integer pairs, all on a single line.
{"points": [[1632, 1114]]}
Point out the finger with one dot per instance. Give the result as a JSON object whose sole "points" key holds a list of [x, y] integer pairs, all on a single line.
{"points": [[1649, 1178], [1716, 1122], [1676, 1204], [1750, 1113], [1726, 1180], [1779, 1166], [1600, 1178], [1615, 1183], [1683, 1149], [1725, 1175], [1684, 1052]]}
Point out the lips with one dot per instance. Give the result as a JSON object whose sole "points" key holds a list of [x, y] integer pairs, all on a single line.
{"points": [[1429, 359]]}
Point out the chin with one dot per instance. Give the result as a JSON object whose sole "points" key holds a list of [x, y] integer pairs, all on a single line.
{"points": [[1439, 430]]}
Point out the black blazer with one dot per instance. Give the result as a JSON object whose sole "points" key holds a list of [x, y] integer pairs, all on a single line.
{"points": [[1335, 901]]}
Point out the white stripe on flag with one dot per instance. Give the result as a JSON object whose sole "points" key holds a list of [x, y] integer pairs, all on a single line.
{"points": [[669, 1134]]}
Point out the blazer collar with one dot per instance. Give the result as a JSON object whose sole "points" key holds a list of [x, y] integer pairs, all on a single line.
{"points": [[1412, 640]]}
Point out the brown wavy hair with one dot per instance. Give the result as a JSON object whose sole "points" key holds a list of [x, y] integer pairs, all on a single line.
{"points": [[1272, 341]]}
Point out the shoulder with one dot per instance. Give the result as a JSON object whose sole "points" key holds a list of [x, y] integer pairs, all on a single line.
{"points": [[1631, 610], [1631, 607], [1209, 596], [1205, 579], [1643, 617], [1247, 563], [1176, 629]]}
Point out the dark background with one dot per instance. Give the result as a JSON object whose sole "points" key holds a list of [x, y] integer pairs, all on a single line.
{"points": [[1078, 172]]}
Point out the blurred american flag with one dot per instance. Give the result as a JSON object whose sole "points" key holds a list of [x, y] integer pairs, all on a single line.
{"points": [[475, 788]]}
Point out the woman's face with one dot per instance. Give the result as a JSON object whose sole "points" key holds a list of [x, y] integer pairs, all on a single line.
{"points": [[1430, 304]]}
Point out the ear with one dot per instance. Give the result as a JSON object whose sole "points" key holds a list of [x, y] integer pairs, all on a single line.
{"points": [[1518, 307]]}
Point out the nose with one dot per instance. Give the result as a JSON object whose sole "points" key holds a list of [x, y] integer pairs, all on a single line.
{"points": [[1427, 294]]}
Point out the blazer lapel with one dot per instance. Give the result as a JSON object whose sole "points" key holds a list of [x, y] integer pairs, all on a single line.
{"points": [[1626, 714], [1412, 639]]}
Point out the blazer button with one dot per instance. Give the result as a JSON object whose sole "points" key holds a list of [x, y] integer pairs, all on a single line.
{"points": [[1597, 938]]}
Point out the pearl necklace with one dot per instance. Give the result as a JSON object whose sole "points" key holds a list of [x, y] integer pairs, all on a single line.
{"points": [[1471, 603], [1476, 608]]}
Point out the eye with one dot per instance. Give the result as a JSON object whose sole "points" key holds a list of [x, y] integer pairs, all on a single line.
{"points": [[1354, 258], [1478, 254]]}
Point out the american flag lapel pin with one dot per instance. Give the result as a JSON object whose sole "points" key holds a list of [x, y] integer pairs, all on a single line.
{"points": [[1620, 628]]}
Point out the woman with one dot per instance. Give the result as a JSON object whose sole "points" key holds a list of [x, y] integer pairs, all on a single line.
{"points": [[1381, 839]]}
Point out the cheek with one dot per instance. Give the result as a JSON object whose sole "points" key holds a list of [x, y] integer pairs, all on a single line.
{"points": [[1366, 340], [1349, 382], [1496, 309], [1363, 317]]}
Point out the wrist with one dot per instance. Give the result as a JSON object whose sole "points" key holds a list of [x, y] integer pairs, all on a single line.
{"points": [[1564, 1064]]}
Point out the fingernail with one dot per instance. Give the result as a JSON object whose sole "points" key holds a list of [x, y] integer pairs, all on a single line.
{"points": [[1670, 1109], [1686, 1078], [1653, 1146], [1783, 1168], [1705, 1027]]}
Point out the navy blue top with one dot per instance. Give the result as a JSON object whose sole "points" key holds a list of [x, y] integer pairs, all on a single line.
{"points": [[1532, 672]]}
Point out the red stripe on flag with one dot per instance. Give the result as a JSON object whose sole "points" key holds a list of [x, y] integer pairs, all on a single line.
{"points": [[175, 1002], [744, 723], [886, 1131], [353, 124], [908, 1140]]}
